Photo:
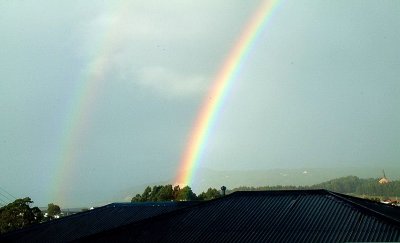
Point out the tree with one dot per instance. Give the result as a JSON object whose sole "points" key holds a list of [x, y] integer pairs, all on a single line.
{"points": [[38, 215], [165, 193], [186, 194], [175, 192], [146, 194], [19, 214], [211, 193], [154, 193], [53, 210], [137, 198]]}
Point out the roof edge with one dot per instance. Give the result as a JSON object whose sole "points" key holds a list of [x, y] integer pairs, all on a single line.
{"points": [[376, 213]]}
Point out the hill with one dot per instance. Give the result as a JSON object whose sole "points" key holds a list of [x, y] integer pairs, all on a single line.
{"points": [[206, 178], [346, 185]]}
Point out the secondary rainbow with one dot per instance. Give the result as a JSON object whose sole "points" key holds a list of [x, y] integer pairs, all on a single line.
{"points": [[213, 101], [85, 94]]}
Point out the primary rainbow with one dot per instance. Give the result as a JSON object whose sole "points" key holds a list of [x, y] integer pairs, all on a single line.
{"points": [[215, 97]]}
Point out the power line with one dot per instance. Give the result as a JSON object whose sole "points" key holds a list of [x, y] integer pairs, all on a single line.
{"points": [[7, 198], [4, 202], [7, 192]]}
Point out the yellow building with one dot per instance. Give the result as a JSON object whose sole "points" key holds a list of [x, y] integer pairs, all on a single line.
{"points": [[384, 180]]}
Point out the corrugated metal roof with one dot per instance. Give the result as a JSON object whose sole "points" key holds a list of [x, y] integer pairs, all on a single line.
{"points": [[269, 216], [90, 222], [386, 209]]}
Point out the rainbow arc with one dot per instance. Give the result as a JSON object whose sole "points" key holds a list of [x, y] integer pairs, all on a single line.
{"points": [[213, 101]]}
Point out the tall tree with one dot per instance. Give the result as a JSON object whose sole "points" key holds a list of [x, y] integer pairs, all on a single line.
{"points": [[165, 193], [154, 193], [175, 192], [53, 210], [137, 198], [19, 214], [146, 194], [211, 193], [186, 194]]}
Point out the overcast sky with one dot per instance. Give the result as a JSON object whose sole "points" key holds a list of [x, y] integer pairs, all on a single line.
{"points": [[320, 88]]}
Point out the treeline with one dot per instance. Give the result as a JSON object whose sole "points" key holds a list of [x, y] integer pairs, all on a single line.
{"points": [[169, 193], [353, 184], [346, 185], [19, 214]]}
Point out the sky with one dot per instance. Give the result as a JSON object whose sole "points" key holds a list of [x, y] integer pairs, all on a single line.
{"points": [[99, 96]]}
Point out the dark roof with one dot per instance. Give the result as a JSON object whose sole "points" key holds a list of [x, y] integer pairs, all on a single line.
{"points": [[90, 222], [388, 210], [267, 216]]}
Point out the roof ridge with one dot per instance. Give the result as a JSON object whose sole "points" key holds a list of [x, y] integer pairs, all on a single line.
{"points": [[299, 191], [364, 208]]}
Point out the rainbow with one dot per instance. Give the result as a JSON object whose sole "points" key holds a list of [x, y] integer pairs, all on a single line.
{"points": [[213, 101], [85, 94]]}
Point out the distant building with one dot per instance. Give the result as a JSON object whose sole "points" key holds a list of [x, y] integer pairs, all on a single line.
{"points": [[384, 180]]}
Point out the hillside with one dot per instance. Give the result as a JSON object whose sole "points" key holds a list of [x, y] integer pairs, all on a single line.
{"points": [[206, 178], [347, 185]]}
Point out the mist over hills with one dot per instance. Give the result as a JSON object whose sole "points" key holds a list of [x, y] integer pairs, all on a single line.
{"points": [[256, 178], [296, 177]]}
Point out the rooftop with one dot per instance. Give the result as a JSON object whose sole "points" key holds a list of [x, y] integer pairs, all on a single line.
{"points": [[92, 221], [267, 216], [263, 216]]}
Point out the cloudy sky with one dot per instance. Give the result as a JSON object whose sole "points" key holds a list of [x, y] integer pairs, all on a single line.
{"points": [[117, 85]]}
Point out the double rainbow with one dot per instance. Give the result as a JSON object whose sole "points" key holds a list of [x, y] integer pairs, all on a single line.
{"points": [[213, 101], [88, 89]]}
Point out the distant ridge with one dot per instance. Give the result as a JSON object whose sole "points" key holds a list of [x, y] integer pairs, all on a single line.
{"points": [[297, 177], [345, 185], [260, 178]]}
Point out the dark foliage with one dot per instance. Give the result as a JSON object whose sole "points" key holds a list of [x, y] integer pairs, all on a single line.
{"points": [[53, 210], [19, 214], [211, 193], [165, 193]]}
